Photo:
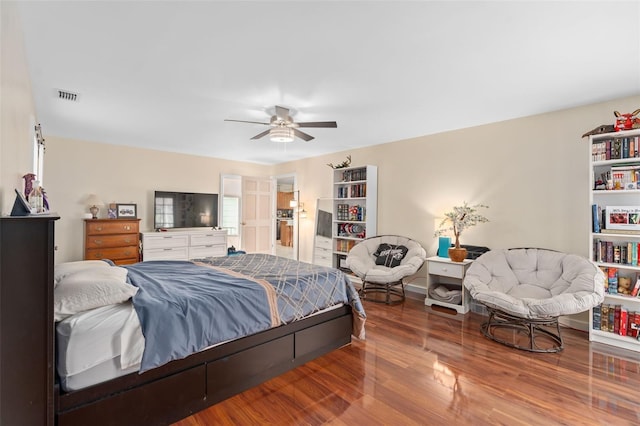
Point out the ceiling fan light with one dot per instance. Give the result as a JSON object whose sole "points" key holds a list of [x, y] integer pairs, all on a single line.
{"points": [[281, 134]]}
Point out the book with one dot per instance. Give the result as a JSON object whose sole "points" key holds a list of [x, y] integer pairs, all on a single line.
{"points": [[604, 318], [596, 317], [596, 218], [623, 321], [616, 318], [613, 281], [636, 288]]}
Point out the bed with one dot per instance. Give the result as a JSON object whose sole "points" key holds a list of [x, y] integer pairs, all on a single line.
{"points": [[114, 365]]}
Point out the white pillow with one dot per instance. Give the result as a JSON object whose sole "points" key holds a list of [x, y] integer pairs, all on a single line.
{"points": [[63, 269], [90, 289]]}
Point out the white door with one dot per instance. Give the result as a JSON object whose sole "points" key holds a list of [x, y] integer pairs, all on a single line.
{"points": [[257, 215]]}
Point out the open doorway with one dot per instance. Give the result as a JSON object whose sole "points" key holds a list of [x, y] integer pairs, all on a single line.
{"points": [[286, 224]]}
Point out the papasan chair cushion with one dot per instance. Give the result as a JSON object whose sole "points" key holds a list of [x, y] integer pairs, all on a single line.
{"points": [[362, 262], [534, 285]]}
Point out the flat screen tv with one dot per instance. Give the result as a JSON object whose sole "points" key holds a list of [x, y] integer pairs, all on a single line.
{"points": [[324, 224], [185, 210]]}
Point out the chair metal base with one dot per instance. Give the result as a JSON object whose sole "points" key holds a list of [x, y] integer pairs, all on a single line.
{"points": [[392, 294], [547, 329]]}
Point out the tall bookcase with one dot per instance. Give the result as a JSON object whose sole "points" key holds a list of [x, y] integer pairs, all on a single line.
{"points": [[614, 244], [355, 208]]}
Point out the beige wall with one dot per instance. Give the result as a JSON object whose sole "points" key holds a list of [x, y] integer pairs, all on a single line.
{"points": [[531, 172], [17, 116], [74, 169]]}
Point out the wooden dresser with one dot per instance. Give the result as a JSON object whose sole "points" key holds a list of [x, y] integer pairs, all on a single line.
{"points": [[113, 239]]}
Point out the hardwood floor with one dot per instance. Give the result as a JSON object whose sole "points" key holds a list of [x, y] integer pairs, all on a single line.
{"points": [[420, 367]]}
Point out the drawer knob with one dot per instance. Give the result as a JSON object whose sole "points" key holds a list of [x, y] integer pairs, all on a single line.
{"points": [[98, 228], [445, 269], [97, 242]]}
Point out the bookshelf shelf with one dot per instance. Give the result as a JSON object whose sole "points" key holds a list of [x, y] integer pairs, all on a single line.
{"points": [[355, 203], [616, 251]]}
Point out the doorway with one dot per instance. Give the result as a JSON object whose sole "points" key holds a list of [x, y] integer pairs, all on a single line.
{"points": [[286, 223]]}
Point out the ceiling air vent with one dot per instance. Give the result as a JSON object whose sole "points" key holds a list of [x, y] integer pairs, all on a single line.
{"points": [[67, 96]]}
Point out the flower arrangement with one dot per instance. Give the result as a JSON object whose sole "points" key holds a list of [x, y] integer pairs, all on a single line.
{"points": [[461, 218]]}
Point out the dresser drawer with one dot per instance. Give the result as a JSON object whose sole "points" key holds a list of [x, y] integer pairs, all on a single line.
{"points": [[323, 260], [325, 243], [174, 253], [114, 254], [208, 239], [113, 226], [164, 241], [104, 241], [213, 250], [454, 270]]}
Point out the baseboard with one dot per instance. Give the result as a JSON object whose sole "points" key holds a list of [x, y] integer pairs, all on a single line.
{"points": [[576, 323]]}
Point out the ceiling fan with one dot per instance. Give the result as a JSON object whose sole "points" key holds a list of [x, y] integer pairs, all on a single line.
{"points": [[283, 128]]}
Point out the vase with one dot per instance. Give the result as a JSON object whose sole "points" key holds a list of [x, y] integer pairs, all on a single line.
{"points": [[457, 254]]}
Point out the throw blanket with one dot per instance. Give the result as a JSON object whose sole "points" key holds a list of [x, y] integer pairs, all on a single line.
{"points": [[185, 307], [301, 288]]}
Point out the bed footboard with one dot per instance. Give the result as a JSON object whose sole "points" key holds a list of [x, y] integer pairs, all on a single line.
{"points": [[181, 388]]}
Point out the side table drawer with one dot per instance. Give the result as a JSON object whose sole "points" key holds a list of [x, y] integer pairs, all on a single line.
{"points": [[452, 270]]}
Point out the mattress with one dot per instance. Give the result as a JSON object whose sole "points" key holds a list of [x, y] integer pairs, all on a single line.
{"points": [[97, 345], [102, 344]]}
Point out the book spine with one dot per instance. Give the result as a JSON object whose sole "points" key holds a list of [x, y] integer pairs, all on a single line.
{"points": [[596, 317], [616, 319], [596, 218], [623, 321], [604, 318], [613, 280], [636, 287]]}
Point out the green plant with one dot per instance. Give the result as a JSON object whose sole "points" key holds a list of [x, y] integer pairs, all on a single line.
{"points": [[461, 218]]}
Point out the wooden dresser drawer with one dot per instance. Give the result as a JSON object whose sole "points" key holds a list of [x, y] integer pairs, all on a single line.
{"points": [[103, 241], [112, 226], [114, 254]]}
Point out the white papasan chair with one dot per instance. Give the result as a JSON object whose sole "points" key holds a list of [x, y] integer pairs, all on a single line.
{"points": [[528, 289], [382, 263]]}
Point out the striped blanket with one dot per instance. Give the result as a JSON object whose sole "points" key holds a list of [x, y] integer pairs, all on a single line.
{"points": [[185, 307]]}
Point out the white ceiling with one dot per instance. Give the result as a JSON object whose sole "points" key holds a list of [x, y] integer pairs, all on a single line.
{"points": [[164, 75]]}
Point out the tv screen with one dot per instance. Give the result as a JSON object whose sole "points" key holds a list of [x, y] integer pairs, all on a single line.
{"points": [[185, 210], [324, 224]]}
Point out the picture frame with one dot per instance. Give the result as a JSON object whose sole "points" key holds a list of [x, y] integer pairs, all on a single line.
{"points": [[126, 211], [623, 218], [21, 206]]}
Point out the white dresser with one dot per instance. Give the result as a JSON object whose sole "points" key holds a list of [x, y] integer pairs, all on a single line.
{"points": [[323, 251], [183, 245]]}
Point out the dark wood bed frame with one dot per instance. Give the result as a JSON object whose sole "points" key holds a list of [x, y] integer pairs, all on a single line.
{"points": [[30, 395], [181, 388]]}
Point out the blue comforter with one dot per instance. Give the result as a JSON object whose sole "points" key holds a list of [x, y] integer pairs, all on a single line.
{"points": [[185, 307]]}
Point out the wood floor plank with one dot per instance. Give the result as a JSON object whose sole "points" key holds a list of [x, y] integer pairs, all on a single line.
{"points": [[418, 366]]}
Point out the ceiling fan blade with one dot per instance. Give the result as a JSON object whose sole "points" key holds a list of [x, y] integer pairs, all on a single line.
{"points": [[252, 122], [282, 113], [318, 124], [302, 135], [260, 135]]}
